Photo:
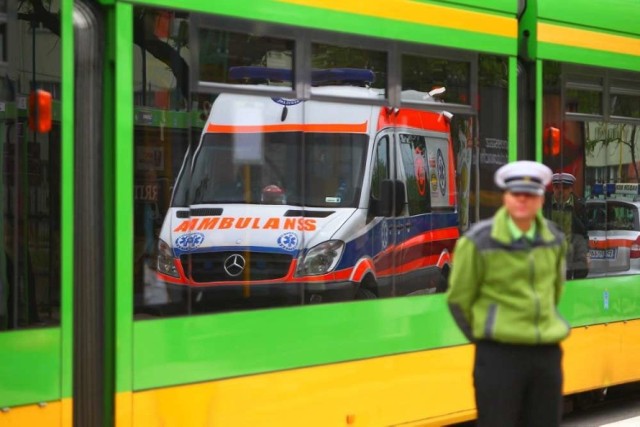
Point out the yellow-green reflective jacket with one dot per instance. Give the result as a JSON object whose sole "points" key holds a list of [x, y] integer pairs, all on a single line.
{"points": [[505, 290]]}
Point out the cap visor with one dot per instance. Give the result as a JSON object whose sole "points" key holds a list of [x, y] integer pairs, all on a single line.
{"points": [[536, 191]]}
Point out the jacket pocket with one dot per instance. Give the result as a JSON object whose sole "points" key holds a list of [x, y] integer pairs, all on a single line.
{"points": [[490, 321]]}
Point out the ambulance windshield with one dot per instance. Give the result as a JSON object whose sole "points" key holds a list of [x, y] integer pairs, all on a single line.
{"points": [[304, 169]]}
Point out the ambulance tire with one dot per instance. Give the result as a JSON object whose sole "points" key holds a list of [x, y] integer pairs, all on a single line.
{"points": [[364, 293], [443, 283]]}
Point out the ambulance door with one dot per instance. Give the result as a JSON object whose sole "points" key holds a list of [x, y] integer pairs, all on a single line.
{"points": [[384, 239], [413, 224]]}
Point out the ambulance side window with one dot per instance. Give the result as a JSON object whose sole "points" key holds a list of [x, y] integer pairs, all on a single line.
{"points": [[381, 170], [413, 152]]}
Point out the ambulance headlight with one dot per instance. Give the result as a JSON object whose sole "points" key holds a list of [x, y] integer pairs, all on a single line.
{"points": [[166, 264], [320, 259]]}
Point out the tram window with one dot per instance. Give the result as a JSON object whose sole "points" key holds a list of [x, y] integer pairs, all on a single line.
{"points": [[583, 94], [625, 98], [30, 167], [599, 152], [583, 101], [492, 134], [243, 58], [626, 105], [424, 74], [371, 67], [244, 199]]}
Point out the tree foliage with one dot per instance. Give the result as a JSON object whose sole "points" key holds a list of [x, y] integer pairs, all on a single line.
{"points": [[613, 136]]}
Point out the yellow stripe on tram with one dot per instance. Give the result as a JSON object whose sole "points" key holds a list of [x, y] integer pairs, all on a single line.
{"points": [[380, 391], [557, 34], [413, 389], [599, 356], [421, 13], [50, 414]]}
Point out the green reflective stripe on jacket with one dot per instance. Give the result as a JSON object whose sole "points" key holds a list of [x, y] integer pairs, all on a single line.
{"points": [[506, 290]]}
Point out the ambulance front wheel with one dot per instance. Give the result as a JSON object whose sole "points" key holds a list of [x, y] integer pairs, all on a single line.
{"points": [[364, 291]]}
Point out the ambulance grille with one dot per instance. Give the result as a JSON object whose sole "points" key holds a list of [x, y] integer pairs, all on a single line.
{"points": [[210, 267]]}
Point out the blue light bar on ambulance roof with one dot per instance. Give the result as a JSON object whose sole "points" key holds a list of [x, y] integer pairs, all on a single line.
{"points": [[343, 75], [260, 73], [330, 75]]}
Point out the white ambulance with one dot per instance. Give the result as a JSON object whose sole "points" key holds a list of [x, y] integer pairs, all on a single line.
{"points": [[286, 202]]}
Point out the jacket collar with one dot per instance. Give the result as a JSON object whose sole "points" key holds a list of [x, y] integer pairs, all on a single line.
{"points": [[567, 204], [500, 229]]}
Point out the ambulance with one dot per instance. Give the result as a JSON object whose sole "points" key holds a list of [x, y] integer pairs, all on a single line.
{"points": [[288, 201]]}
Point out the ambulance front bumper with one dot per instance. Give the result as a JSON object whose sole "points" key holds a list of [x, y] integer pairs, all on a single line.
{"points": [[247, 296]]}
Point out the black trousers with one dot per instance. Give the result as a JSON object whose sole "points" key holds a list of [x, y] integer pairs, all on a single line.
{"points": [[518, 385]]}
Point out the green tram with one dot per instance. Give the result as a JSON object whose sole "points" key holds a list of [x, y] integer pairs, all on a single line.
{"points": [[132, 294]]}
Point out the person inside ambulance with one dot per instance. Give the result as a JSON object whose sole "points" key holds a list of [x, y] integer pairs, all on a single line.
{"points": [[273, 195]]}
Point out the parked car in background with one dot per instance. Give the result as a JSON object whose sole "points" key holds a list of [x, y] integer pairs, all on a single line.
{"points": [[614, 231]]}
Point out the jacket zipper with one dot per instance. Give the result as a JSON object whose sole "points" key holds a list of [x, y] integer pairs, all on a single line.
{"points": [[535, 295]]}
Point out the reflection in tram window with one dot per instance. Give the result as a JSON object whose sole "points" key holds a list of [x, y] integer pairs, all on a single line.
{"points": [[30, 173], [246, 198], [600, 147]]}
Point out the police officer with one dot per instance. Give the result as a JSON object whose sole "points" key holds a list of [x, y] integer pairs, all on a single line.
{"points": [[506, 280], [568, 212]]}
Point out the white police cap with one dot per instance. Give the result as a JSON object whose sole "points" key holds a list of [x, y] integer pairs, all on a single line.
{"points": [[523, 176], [563, 178]]}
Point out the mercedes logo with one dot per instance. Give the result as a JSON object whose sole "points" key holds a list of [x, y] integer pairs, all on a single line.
{"points": [[234, 265]]}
